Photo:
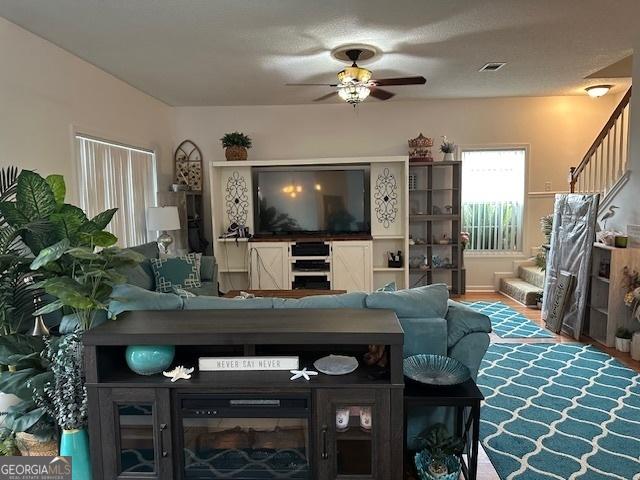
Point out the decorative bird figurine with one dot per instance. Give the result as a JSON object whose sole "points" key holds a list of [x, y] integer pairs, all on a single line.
{"points": [[610, 213], [304, 373], [178, 373]]}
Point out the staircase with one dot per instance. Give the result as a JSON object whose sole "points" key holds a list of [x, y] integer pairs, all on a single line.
{"points": [[526, 286], [605, 167]]}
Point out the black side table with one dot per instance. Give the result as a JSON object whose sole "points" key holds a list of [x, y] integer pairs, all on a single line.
{"points": [[466, 398]]}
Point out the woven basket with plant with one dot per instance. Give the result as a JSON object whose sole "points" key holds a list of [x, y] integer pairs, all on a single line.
{"points": [[236, 145]]}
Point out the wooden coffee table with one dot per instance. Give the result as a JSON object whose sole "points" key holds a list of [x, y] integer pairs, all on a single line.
{"points": [[284, 293]]}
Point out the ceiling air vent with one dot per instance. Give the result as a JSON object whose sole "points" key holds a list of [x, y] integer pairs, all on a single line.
{"points": [[492, 66]]}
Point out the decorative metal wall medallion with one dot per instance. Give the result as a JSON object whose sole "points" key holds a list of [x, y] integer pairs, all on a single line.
{"points": [[386, 198], [237, 199]]}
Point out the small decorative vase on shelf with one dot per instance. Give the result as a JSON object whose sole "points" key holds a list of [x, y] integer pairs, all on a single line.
{"points": [[448, 157], [75, 444], [635, 346], [149, 359]]}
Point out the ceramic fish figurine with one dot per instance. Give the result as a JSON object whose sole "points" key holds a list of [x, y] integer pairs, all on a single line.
{"points": [[178, 373], [304, 373]]}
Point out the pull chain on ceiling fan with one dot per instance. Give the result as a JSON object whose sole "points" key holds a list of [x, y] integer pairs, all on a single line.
{"points": [[355, 83]]}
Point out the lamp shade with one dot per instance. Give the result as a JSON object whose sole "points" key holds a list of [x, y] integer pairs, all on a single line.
{"points": [[163, 218]]}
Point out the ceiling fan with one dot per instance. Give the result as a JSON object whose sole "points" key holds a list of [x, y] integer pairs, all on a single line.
{"points": [[355, 83]]}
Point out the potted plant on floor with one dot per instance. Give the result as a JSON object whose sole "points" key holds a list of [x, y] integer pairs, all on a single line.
{"points": [[64, 398], [236, 145], [439, 458], [623, 340]]}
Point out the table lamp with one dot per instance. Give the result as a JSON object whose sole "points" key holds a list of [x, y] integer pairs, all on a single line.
{"points": [[163, 219]]}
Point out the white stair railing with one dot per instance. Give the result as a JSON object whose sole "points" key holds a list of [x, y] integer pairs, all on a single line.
{"points": [[606, 161]]}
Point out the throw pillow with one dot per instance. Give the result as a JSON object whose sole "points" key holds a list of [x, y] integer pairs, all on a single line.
{"points": [[182, 272], [182, 293]]}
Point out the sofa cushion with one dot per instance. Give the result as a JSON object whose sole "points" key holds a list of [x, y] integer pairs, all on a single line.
{"points": [[140, 275], [463, 320], [345, 300], [206, 303], [149, 250], [207, 268], [127, 297], [206, 289], [422, 302], [424, 335], [181, 272]]}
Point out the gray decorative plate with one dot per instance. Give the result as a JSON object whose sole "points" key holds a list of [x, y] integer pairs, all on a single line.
{"points": [[435, 370], [336, 364]]}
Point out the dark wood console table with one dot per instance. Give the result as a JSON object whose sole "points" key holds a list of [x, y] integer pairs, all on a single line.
{"points": [[218, 423]]}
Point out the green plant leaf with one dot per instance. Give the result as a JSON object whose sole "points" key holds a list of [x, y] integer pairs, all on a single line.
{"points": [[16, 382], [23, 416], [103, 239], [69, 292], [18, 343], [103, 219], [51, 307], [12, 215], [67, 221], [33, 360], [58, 188], [50, 254], [34, 197], [83, 253]]}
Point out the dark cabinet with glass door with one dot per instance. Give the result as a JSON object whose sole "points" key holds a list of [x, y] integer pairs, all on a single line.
{"points": [[136, 433], [352, 433]]}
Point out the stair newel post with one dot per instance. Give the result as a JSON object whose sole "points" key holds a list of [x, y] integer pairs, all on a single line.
{"points": [[572, 181]]}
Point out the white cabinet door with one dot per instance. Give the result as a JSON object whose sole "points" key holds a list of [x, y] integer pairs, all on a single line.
{"points": [[351, 266], [269, 265]]}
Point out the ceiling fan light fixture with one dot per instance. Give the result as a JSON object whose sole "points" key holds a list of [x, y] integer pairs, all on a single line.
{"points": [[353, 93], [354, 74]]}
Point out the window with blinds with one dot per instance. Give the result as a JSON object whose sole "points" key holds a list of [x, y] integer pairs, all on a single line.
{"points": [[117, 176], [493, 188]]}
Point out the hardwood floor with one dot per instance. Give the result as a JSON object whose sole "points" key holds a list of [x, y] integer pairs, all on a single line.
{"points": [[485, 468]]}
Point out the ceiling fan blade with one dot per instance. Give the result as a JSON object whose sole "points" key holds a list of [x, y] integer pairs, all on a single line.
{"points": [[381, 94], [400, 81], [311, 84], [324, 97]]}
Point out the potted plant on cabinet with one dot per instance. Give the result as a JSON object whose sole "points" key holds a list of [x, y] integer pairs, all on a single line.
{"points": [[631, 283], [439, 458], [623, 340], [448, 149], [236, 145]]}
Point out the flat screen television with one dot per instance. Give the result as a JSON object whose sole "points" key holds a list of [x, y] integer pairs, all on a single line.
{"points": [[311, 200]]}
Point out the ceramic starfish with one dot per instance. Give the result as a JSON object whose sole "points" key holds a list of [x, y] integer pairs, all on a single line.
{"points": [[304, 373], [178, 373]]}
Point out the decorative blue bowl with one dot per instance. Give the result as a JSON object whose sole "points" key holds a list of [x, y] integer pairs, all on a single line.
{"points": [[435, 370], [149, 359], [423, 459]]}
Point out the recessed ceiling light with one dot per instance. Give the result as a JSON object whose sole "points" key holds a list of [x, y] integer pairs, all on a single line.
{"points": [[598, 90], [492, 66]]}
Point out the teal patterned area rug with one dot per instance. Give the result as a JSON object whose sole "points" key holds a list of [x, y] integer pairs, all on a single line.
{"points": [[559, 411], [507, 323]]}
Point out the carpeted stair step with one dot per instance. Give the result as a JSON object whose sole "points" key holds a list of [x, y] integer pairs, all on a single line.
{"points": [[520, 290], [532, 274]]}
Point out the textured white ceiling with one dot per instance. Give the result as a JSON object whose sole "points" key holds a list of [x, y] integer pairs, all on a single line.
{"points": [[242, 52]]}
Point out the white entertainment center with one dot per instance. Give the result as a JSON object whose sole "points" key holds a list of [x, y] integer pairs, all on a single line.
{"points": [[355, 262]]}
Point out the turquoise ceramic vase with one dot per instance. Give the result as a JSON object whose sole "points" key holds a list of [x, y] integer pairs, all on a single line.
{"points": [[149, 359], [75, 444]]}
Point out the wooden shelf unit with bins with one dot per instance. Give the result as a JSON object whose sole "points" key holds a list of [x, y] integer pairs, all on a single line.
{"points": [[436, 185], [607, 311], [232, 201]]}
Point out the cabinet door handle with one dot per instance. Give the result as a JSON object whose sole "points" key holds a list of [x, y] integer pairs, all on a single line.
{"points": [[324, 454], [163, 452]]}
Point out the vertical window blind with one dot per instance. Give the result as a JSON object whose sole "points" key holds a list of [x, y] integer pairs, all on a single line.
{"points": [[116, 176], [493, 187]]}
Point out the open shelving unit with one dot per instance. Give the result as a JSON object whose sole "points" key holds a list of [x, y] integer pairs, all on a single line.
{"points": [[434, 229]]}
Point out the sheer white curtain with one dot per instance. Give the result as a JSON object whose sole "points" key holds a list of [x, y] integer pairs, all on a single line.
{"points": [[114, 176]]}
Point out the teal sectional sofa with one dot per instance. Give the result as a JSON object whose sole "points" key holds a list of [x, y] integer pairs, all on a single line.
{"points": [[432, 322]]}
